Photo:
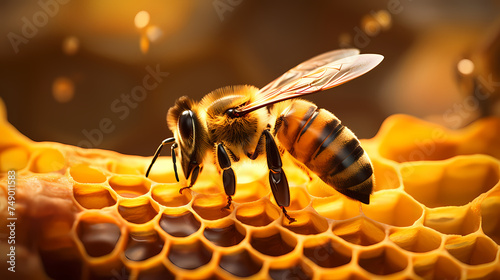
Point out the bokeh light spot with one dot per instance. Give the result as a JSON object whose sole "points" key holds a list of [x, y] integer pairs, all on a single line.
{"points": [[141, 19], [465, 66], [71, 44], [63, 89]]}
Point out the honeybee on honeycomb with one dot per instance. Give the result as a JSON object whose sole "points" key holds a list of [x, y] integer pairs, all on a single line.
{"points": [[239, 122]]}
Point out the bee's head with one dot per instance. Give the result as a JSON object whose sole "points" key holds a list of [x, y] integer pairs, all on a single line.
{"points": [[191, 137]]}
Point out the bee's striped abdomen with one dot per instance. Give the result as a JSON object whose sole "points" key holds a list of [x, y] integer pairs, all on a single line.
{"points": [[316, 138]]}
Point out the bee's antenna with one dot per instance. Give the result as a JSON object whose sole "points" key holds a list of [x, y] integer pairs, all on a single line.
{"points": [[157, 153]]}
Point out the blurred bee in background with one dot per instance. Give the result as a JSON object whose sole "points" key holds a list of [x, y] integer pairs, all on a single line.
{"points": [[478, 76], [237, 122]]}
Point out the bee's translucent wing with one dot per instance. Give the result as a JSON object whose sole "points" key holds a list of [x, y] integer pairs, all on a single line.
{"points": [[319, 73]]}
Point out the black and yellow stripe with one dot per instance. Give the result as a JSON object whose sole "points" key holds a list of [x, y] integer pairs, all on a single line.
{"points": [[316, 138]]}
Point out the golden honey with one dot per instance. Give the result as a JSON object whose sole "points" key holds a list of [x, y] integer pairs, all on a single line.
{"points": [[91, 214]]}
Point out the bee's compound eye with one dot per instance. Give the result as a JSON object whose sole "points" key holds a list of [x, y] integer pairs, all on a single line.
{"points": [[186, 125]]}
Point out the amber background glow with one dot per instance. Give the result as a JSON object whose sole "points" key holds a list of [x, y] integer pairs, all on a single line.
{"points": [[65, 78]]}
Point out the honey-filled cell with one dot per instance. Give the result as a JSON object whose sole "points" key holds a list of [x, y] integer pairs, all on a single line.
{"points": [[99, 235], [129, 186], [137, 211], [240, 264], [307, 223], [258, 214], [211, 207], [179, 225], [168, 195], [225, 236], [297, 271], [159, 272], [189, 256], [327, 253], [93, 196], [143, 245], [273, 243]]}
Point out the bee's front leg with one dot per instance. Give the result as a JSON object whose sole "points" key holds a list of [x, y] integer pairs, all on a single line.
{"points": [[228, 178], [277, 178]]}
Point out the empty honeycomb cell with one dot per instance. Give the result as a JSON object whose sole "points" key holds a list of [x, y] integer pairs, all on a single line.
{"points": [[82, 173], [336, 207], [138, 210], [225, 236], [48, 160], [383, 260], [294, 272], [169, 195], [179, 225], [490, 207], [306, 223], [258, 214], [251, 191], [93, 196], [394, 208], [159, 272], [189, 255], [404, 138], [143, 245], [451, 183], [472, 249], [273, 243], [327, 252], [452, 220], [240, 263], [210, 207], [386, 175], [13, 158], [129, 186], [360, 231], [416, 239], [99, 235], [438, 267]]}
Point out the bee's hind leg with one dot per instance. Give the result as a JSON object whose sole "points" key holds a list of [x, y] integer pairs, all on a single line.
{"points": [[228, 177], [277, 178]]}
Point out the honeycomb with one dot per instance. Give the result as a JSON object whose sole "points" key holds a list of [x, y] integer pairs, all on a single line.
{"points": [[92, 214]]}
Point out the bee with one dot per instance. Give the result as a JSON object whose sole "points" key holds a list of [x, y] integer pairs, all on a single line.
{"points": [[237, 122]]}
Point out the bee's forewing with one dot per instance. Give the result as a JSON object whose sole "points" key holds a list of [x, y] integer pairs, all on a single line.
{"points": [[319, 73]]}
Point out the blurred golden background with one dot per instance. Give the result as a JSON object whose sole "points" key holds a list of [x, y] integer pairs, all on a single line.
{"points": [[104, 73]]}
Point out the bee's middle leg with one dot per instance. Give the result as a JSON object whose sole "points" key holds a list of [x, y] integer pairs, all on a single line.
{"points": [[277, 178], [228, 177]]}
